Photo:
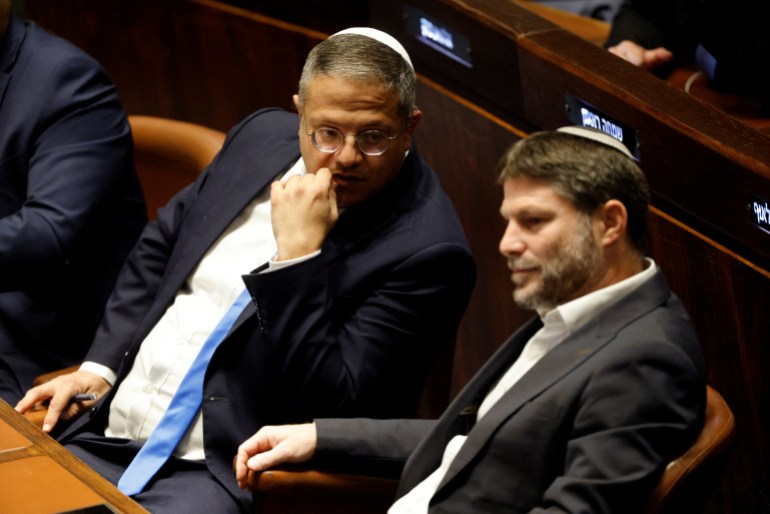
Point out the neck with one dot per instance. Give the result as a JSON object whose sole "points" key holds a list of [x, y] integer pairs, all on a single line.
{"points": [[621, 262]]}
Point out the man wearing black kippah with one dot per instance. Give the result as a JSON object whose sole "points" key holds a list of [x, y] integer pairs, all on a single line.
{"points": [[583, 407]]}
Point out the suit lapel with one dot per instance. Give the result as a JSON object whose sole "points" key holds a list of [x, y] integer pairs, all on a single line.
{"points": [[460, 415], [211, 216]]}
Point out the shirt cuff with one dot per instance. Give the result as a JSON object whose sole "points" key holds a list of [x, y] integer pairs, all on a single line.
{"points": [[273, 265], [98, 369]]}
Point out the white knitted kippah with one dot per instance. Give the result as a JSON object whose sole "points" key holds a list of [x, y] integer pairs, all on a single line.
{"points": [[382, 37], [596, 135]]}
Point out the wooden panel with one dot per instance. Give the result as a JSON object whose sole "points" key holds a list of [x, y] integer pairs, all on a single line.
{"points": [[197, 61], [697, 159], [43, 476], [10, 439], [39, 484], [727, 299], [464, 146], [590, 29]]}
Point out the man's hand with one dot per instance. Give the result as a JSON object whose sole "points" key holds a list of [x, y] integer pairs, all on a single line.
{"points": [[59, 393], [271, 446], [640, 56], [304, 210]]}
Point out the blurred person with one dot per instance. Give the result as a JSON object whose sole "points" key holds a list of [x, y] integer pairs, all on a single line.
{"points": [[724, 39], [71, 206]]}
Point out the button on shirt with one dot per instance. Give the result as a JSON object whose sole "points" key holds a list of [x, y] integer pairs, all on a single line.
{"points": [[558, 324], [169, 349]]}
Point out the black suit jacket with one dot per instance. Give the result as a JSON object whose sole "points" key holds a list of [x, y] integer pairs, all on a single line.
{"points": [[733, 31], [70, 204], [351, 332], [588, 429]]}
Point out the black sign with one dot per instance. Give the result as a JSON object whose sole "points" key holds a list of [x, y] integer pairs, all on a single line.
{"points": [[450, 43], [759, 212], [585, 115]]}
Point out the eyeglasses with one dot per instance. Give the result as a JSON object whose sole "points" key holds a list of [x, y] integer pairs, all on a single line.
{"points": [[370, 142]]}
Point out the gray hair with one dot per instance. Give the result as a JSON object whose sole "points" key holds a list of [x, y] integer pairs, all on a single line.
{"points": [[586, 172], [357, 57]]}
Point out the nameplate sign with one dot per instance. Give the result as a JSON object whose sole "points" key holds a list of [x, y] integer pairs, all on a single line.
{"points": [[759, 212], [437, 36], [584, 114]]}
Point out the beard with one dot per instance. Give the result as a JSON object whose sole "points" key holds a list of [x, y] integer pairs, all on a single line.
{"points": [[564, 273]]}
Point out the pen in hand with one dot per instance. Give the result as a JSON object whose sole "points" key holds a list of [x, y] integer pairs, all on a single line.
{"points": [[84, 397]]}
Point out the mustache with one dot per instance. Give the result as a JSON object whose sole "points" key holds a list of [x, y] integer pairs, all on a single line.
{"points": [[520, 262]]}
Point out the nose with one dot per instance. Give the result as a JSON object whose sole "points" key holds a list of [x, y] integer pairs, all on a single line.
{"points": [[349, 154], [511, 243]]}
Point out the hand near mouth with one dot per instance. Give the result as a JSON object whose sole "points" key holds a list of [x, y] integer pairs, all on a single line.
{"points": [[304, 210]]}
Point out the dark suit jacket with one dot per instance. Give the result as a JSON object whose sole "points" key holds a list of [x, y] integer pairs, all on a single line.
{"points": [[588, 429], [70, 204], [350, 332], [733, 31]]}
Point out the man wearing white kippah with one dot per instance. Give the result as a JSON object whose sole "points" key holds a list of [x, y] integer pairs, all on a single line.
{"points": [[316, 268], [583, 407]]}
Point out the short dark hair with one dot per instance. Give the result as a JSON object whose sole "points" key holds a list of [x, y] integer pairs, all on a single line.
{"points": [[357, 57], [586, 172]]}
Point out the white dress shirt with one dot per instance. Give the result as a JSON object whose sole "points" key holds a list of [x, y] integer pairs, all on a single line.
{"points": [[170, 348], [558, 324]]}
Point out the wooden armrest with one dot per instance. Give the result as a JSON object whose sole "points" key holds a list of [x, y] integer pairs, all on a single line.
{"points": [[47, 377], [313, 482], [287, 490]]}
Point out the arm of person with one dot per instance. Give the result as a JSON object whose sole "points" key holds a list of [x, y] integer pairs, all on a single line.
{"points": [[332, 440], [340, 350], [634, 417], [365, 352], [81, 153], [274, 445], [60, 393], [640, 56], [641, 33], [132, 296]]}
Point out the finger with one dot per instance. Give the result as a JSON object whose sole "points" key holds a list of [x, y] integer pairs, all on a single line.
{"points": [[276, 190], [657, 56], [267, 459], [241, 471], [324, 177], [629, 51], [261, 441], [32, 398], [60, 402]]}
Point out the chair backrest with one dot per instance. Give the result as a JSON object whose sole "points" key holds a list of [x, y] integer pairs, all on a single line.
{"points": [[169, 154], [688, 479]]}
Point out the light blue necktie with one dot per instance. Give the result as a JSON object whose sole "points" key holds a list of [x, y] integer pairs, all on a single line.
{"points": [[181, 411]]}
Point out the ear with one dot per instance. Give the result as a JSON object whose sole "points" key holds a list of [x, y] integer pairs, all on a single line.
{"points": [[611, 220], [297, 104], [413, 121]]}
